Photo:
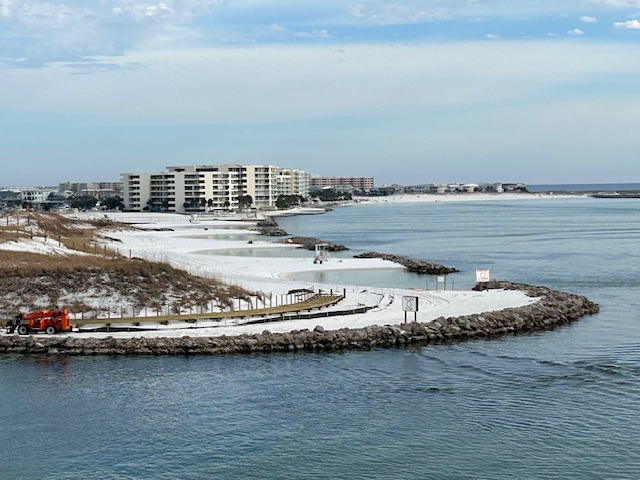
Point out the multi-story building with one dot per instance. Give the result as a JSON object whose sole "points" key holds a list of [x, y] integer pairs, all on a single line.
{"points": [[359, 183], [35, 195], [96, 189], [291, 181], [188, 189]]}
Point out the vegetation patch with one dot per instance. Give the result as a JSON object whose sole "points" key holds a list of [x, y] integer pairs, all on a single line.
{"points": [[83, 283]]}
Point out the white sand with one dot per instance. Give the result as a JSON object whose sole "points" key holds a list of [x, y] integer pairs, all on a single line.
{"points": [[192, 246], [462, 197]]}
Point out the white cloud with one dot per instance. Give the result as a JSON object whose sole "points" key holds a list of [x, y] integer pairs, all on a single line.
{"points": [[278, 32], [5, 8], [492, 36], [385, 13], [322, 33], [576, 32], [629, 25], [289, 83], [460, 102], [588, 19], [140, 12], [618, 3]]}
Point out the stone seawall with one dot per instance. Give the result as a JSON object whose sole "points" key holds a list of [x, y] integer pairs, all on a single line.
{"points": [[553, 309]]}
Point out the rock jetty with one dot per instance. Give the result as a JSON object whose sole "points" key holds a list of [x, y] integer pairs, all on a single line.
{"points": [[553, 309], [310, 243], [414, 266], [270, 228]]}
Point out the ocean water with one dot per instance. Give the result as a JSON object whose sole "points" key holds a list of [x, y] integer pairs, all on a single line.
{"points": [[585, 187], [561, 404]]}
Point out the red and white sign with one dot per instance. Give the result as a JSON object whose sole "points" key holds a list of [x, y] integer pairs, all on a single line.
{"points": [[482, 276]]}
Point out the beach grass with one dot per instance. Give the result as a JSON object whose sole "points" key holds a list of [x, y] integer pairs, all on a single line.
{"points": [[30, 280]]}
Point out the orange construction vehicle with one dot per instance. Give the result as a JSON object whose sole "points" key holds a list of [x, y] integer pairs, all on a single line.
{"points": [[48, 321]]}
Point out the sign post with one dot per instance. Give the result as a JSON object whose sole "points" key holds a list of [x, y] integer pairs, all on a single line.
{"points": [[482, 276], [410, 304]]}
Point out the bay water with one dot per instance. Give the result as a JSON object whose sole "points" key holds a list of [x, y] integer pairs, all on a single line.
{"points": [[561, 404]]}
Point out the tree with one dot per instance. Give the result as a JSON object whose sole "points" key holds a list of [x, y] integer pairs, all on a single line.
{"points": [[195, 203], [84, 202], [288, 201], [244, 201], [329, 195], [113, 203]]}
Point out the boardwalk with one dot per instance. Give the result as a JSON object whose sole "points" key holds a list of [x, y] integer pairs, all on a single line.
{"points": [[316, 302]]}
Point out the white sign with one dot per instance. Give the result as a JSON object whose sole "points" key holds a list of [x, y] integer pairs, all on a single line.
{"points": [[410, 304], [482, 276]]}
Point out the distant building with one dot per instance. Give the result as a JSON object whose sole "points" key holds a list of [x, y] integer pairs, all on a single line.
{"points": [[291, 181], [442, 188], [36, 195], [514, 187], [393, 189], [431, 188], [202, 188], [94, 189], [10, 199], [364, 184]]}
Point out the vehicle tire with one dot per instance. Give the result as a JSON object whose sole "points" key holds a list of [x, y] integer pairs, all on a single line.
{"points": [[23, 330], [50, 330]]}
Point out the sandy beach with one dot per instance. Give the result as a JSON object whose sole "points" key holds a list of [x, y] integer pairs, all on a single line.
{"points": [[463, 197], [204, 245], [193, 246]]}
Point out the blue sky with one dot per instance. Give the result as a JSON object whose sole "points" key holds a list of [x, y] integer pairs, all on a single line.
{"points": [[542, 91]]}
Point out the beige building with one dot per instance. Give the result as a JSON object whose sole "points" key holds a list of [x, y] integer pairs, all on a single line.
{"points": [[359, 183], [96, 189], [203, 188]]}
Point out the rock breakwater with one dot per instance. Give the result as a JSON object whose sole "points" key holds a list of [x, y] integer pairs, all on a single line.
{"points": [[553, 309], [310, 243], [413, 266], [270, 228]]}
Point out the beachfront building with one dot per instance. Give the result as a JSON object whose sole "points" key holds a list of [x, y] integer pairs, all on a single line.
{"points": [[35, 195], [94, 189], [364, 184], [291, 181], [443, 188], [430, 188], [203, 188]]}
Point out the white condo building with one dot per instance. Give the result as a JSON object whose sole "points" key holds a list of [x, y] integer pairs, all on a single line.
{"points": [[203, 188]]}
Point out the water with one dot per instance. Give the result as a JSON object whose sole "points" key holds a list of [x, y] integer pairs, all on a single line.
{"points": [[585, 187], [560, 404]]}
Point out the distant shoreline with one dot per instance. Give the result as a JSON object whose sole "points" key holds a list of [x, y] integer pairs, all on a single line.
{"points": [[462, 197], [584, 187]]}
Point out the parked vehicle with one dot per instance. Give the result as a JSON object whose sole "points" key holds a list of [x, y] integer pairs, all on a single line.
{"points": [[48, 321]]}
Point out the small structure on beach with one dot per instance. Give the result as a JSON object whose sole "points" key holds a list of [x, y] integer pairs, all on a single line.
{"points": [[322, 253]]}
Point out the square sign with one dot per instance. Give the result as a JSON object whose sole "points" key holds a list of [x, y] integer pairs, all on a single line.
{"points": [[410, 304], [482, 276]]}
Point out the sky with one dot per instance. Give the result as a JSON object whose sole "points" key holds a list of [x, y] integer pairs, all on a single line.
{"points": [[409, 92]]}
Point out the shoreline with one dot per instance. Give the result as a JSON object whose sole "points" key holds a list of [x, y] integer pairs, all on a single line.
{"points": [[190, 246], [465, 197], [551, 310]]}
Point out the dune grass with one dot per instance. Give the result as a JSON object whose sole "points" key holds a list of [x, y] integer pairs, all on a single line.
{"points": [[78, 282]]}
